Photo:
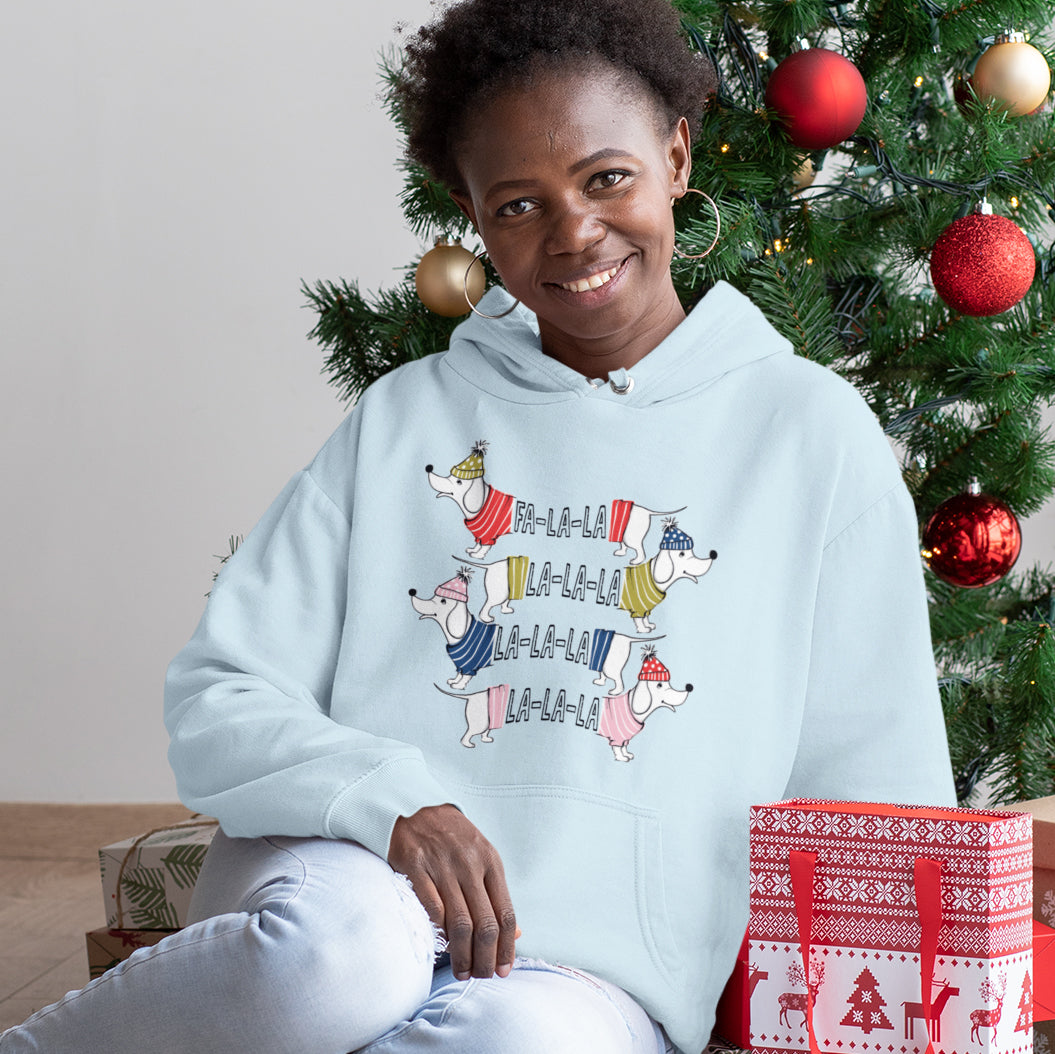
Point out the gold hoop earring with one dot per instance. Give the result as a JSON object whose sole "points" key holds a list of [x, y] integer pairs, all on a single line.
{"points": [[717, 228], [465, 289]]}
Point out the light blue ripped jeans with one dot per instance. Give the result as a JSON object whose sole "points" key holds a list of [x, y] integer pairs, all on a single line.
{"points": [[312, 946]]}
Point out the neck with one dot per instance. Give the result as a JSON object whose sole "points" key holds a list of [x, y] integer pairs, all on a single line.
{"points": [[596, 357]]}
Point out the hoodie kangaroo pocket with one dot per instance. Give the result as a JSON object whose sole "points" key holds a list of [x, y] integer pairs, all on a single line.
{"points": [[586, 875]]}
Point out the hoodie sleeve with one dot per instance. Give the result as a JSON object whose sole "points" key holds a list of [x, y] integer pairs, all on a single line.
{"points": [[872, 728], [247, 701]]}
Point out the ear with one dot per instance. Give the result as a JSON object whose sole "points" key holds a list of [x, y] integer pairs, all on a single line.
{"points": [[679, 158], [663, 567], [465, 206], [458, 621], [645, 689]]}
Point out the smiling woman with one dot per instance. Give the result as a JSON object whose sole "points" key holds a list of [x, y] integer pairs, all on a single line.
{"points": [[565, 138], [565, 893], [573, 202]]}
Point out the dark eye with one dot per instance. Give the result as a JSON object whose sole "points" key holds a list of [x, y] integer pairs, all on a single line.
{"points": [[607, 180], [520, 207], [443, 601]]}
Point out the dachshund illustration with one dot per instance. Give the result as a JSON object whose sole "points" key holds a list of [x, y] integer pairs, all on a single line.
{"points": [[488, 513], [646, 585], [624, 716]]}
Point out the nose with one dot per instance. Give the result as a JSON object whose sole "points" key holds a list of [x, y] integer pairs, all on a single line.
{"points": [[714, 555], [574, 227], [412, 592], [428, 468], [688, 687]]}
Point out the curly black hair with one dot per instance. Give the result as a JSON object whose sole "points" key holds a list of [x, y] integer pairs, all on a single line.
{"points": [[477, 47]]}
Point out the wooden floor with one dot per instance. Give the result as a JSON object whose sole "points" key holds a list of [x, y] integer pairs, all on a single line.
{"points": [[50, 894]]}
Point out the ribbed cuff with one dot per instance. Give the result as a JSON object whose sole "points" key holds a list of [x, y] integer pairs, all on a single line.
{"points": [[367, 811]]}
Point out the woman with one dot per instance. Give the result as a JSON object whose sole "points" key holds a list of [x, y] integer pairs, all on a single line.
{"points": [[521, 729]]}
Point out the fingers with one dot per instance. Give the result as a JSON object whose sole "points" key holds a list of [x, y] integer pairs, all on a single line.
{"points": [[480, 925], [508, 930], [459, 879]]}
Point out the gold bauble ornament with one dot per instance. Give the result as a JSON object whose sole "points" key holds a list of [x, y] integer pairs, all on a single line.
{"points": [[1012, 74], [440, 278]]}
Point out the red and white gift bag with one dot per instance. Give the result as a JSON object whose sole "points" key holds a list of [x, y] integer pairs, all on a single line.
{"points": [[880, 929]]}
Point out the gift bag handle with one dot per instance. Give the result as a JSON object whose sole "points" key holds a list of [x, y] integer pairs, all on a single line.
{"points": [[927, 874], [927, 880]]}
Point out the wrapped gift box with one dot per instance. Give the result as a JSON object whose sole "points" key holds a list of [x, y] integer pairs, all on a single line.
{"points": [[148, 881], [850, 930], [107, 947]]}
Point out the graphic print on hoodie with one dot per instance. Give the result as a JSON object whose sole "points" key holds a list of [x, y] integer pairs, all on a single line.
{"points": [[476, 642]]}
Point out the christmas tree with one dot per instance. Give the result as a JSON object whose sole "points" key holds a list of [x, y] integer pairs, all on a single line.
{"points": [[882, 172], [866, 1005], [1025, 1006]]}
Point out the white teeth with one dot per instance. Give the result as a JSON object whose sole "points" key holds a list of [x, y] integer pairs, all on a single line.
{"points": [[595, 281]]}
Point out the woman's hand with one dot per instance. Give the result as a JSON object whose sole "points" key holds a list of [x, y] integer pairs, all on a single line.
{"points": [[458, 877]]}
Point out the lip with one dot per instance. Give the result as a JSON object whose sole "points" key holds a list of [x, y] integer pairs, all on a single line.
{"points": [[591, 297]]}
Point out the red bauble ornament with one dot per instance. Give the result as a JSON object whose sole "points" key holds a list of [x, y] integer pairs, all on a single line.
{"points": [[820, 97], [972, 540], [982, 264]]}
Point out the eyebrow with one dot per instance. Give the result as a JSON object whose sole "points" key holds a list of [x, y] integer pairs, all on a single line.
{"points": [[592, 159], [598, 155]]}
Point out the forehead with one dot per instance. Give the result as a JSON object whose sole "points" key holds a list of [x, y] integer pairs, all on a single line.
{"points": [[561, 115]]}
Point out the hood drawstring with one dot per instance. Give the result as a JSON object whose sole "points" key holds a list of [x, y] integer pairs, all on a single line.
{"points": [[618, 380]]}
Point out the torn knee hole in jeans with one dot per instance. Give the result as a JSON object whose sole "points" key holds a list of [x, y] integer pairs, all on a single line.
{"points": [[423, 926]]}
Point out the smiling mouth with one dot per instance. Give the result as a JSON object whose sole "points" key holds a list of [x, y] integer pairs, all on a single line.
{"points": [[595, 281]]}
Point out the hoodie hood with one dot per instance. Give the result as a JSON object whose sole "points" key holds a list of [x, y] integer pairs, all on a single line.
{"points": [[504, 356]]}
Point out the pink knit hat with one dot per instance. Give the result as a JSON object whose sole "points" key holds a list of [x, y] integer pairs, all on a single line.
{"points": [[455, 588]]}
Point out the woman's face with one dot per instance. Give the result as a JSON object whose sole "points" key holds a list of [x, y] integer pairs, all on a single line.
{"points": [[569, 184]]}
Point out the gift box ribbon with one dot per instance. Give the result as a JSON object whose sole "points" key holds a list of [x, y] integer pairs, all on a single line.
{"points": [[927, 880]]}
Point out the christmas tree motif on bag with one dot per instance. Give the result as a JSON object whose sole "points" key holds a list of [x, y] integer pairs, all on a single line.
{"points": [[937, 1007], [1025, 1005], [866, 1005], [798, 1000], [986, 1017]]}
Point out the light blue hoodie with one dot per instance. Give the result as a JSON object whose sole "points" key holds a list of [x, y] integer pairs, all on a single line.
{"points": [[701, 594]]}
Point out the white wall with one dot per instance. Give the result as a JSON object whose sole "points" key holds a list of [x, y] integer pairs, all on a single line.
{"points": [[169, 176]]}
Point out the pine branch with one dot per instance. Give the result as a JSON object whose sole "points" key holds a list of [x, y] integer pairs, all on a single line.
{"points": [[366, 338]]}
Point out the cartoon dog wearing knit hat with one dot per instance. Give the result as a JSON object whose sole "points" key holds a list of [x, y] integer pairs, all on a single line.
{"points": [[646, 585], [470, 644], [624, 716], [628, 523], [488, 513]]}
